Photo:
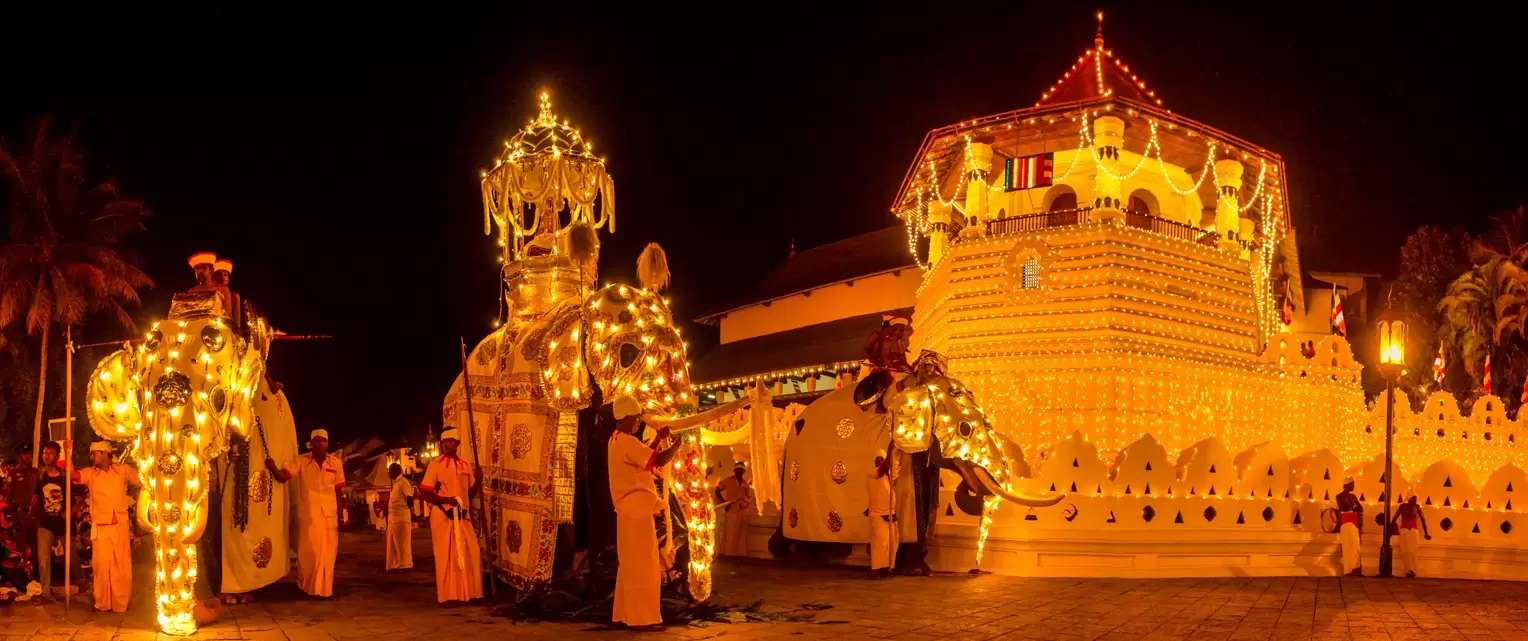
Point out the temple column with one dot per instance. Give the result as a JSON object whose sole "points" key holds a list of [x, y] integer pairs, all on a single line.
{"points": [[1108, 139], [939, 230], [1228, 175], [978, 161]]}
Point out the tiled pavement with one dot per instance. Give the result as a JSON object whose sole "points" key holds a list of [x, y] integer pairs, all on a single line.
{"points": [[372, 606]]}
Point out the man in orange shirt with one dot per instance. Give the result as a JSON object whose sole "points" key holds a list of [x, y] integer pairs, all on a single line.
{"points": [[111, 537], [447, 485], [320, 478]]}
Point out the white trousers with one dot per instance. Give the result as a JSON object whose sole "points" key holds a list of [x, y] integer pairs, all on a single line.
{"points": [[1348, 535], [883, 543]]}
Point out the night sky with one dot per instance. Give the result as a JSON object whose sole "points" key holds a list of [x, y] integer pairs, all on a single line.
{"points": [[334, 156]]}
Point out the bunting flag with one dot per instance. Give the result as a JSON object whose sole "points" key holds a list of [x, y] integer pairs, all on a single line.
{"points": [[1339, 322], [1028, 172], [1485, 381], [1440, 367]]}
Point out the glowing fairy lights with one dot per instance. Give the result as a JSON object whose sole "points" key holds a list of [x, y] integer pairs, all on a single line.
{"points": [[197, 369]]}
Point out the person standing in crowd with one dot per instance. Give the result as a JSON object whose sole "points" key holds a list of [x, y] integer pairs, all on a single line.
{"points": [[48, 505], [400, 521], [883, 519], [448, 484], [111, 559], [631, 465], [20, 487], [1409, 516], [1350, 517], [737, 496], [320, 478]]}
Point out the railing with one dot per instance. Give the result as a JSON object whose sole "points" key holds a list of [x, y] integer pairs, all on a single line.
{"points": [[1071, 217]]}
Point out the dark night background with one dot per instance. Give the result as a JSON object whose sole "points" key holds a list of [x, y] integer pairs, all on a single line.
{"points": [[334, 156]]}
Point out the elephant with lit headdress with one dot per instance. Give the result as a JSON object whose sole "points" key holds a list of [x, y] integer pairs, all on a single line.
{"points": [[919, 417], [180, 397], [538, 386]]}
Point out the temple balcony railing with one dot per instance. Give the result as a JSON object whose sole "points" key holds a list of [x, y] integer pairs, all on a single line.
{"points": [[1042, 221]]}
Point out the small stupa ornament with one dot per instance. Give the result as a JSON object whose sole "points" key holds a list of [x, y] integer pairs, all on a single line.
{"points": [[546, 180]]}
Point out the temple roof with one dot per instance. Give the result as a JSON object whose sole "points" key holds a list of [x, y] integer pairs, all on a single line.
{"points": [[853, 257], [822, 344], [1098, 73]]}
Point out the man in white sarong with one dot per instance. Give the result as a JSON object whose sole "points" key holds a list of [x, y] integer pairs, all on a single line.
{"points": [[400, 521], [320, 478], [737, 496], [883, 519], [1350, 516], [631, 465]]}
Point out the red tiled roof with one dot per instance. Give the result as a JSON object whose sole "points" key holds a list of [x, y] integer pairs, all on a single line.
{"points": [[1098, 73]]}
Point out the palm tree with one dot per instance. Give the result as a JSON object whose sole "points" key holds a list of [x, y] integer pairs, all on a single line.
{"points": [[63, 258], [1469, 326]]}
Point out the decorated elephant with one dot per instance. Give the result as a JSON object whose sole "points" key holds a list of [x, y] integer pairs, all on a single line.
{"points": [[182, 397], [537, 385], [924, 421]]}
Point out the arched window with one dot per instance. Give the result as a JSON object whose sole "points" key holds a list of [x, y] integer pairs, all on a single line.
{"points": [[1143, 202], [1060, 198]]}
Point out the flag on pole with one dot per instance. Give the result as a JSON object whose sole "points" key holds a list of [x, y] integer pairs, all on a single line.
{"points": [[1485, 381], [1339, 322], [1440, 367], [1287, 310]]}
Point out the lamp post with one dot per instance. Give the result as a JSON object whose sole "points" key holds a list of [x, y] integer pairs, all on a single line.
{"points": [[1392, 364]]}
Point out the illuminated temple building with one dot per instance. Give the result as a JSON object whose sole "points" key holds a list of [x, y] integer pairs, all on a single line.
{"points": [[1110, 278]]}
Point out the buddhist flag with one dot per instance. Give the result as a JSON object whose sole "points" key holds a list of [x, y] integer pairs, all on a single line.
{"points": [[1287, 310], [1339, 322], [1028, 172], [1485, 381], [1440, 367]]}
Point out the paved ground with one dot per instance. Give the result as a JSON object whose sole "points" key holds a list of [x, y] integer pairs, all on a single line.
{"points": [[373, 606]]}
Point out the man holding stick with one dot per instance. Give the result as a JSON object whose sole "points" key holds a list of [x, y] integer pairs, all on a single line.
{"points": [[447, 484]]}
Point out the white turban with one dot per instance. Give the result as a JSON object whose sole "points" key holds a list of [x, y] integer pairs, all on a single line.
{"points": [[1347, 481], [452, 433], [101, 446], [624, 406], [320, 432]]}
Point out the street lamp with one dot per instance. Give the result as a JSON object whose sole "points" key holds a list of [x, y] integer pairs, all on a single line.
{"points": [[1392, 364]]}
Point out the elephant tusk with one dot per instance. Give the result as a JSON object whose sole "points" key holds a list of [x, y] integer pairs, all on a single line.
{"points": [[685, 423], [984, 479]]}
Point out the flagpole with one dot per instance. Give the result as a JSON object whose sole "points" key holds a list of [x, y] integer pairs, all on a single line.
{"points": [[477, 463]]}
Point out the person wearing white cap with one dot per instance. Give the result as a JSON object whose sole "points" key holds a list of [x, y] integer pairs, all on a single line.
{"points": [[448, 485], [320, 478], [1350, 515], [734, 493], [631, 464], [111, 558], [882, 511], [203, 264]]}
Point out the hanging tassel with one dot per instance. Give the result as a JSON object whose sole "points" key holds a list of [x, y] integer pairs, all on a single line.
{"points": [[582, 243], [652, 268]]}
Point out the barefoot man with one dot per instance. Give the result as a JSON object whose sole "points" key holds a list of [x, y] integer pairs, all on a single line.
{"points": [[320, 478], [106, 483], [447, 484], [631, 464]]}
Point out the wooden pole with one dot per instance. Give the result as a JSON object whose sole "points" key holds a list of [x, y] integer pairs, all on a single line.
{"points": [[477, 463], [68, 466]]}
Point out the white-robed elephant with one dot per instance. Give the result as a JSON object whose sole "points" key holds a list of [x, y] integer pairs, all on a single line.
{"points": [[926, 421]]}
